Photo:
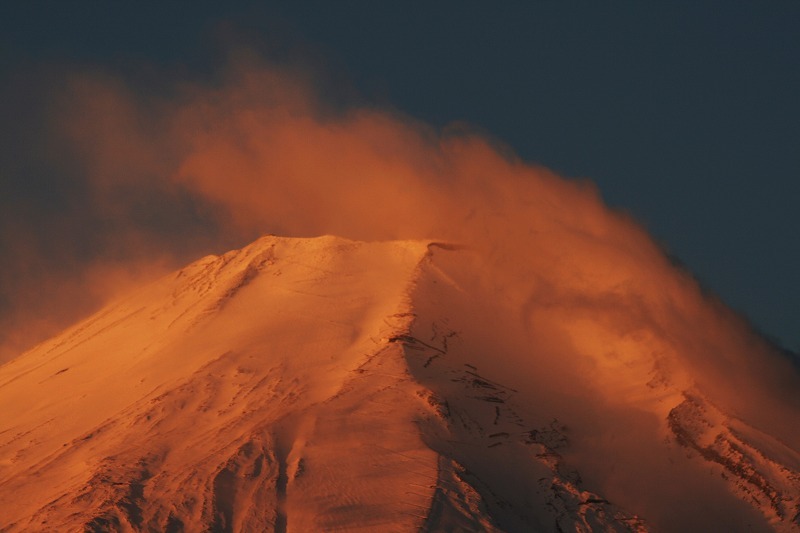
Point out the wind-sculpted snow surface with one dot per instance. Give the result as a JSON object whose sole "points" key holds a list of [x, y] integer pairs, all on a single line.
{"points": [[326, 384]]}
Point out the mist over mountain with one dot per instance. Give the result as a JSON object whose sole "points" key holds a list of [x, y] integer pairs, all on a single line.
{"points": [[326, 383], [442, 337], [118, 178]]}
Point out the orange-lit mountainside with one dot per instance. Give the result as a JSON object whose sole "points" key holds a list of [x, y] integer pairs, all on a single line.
{"points": [[321, 384]]}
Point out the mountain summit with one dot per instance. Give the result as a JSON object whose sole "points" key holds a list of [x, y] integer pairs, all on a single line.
{"points": [[327, 384]]}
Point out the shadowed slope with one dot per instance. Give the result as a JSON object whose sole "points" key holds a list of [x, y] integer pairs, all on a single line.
{"points": [[573, 423]]}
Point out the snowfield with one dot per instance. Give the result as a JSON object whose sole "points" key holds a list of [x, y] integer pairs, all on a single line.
{"points": [[325, 384]]}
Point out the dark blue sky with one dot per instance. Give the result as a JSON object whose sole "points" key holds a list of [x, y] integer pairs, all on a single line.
{"points": [[685, 114]]}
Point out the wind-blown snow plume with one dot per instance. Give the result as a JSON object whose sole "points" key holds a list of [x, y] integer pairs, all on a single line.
{"points": [[262, 153]]}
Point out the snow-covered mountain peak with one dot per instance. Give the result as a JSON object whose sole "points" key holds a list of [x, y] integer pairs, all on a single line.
{"points": [[324, 384]]}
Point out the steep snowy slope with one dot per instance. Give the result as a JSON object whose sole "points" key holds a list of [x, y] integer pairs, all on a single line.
{"points": [[188, 405], [616, 417], [325, 384]]}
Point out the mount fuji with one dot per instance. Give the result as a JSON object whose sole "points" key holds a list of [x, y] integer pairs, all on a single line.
{"points": [[325, 384]]}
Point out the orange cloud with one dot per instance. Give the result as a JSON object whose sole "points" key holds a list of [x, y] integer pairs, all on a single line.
{"points": [[261, 152]]}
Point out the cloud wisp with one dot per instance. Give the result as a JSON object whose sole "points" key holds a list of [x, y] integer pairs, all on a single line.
{"points": [[155, 178]]}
